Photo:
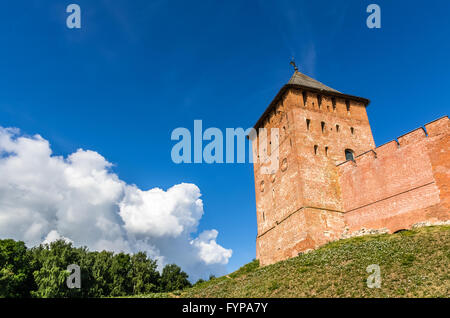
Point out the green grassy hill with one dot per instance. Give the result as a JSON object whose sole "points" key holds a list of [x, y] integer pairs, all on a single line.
{"points": [[413, 264]]}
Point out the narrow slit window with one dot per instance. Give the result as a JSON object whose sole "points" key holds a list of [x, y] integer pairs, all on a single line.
{"points": [[337, 128], [347, 104], [305, 98], [315, 149], [352, 130], [326, 151], [323, 126], [308, 122], [319, 100], [333, 102]]}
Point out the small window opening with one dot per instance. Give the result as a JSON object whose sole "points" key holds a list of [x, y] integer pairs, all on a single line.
{"points": [[323, 126], [347, 104], [333, 101], [319, 100], [308, 122], [352, 130], [315, 149], [337, 128], [305, 98], [326, 151], [349, 155]]}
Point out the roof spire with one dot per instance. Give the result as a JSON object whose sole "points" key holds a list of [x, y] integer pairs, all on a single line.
{"points": [[293, 64]]}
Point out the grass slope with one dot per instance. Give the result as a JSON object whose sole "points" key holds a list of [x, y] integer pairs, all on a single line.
{"points": [[413, 264]]}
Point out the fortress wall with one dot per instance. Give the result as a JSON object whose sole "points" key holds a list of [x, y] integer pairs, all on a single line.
{"points": [[439, 154], [277, 193], [396, 213], [318, 179], [308, 200], [399, 183], [306, 178], [303, 230], [283, 240], [324, 225]]}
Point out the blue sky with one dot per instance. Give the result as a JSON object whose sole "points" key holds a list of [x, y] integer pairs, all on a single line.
{"points": [[136, 70]]}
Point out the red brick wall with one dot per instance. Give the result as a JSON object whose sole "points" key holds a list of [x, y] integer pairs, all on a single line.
{"points": [[438, 152], [399, 184]]}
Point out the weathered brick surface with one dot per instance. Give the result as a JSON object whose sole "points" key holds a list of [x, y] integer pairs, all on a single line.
{"points": [[315, 196], [398, 184]]}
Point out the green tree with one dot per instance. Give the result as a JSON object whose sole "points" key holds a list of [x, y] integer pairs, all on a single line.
{"points": [[145, 277], [52, 261], [42, 272], [199, 282], [101, 273], [173, 278], [120, 272], [86, 261], [16, 278]]}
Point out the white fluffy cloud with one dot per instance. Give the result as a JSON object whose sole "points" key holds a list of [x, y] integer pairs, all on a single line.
{"points": [[44, 198], [159, 213], [209, 251], [55, 236]]}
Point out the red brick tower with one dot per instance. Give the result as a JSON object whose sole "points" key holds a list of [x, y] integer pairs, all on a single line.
{"points": [[301, 200], [330, 182]]}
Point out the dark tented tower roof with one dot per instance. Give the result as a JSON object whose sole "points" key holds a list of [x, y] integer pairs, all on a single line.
{"points": [[306, 81], [301, 80]]}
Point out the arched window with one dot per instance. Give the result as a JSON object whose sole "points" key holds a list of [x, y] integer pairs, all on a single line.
{"points": [[349, 154]]}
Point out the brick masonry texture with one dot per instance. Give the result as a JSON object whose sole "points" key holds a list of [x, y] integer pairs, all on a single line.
{"points": [[316, 196]]}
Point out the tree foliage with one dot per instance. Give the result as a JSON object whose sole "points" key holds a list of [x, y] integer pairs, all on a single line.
{"points": [[173, 278], [42, 272], [15, 273]]}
